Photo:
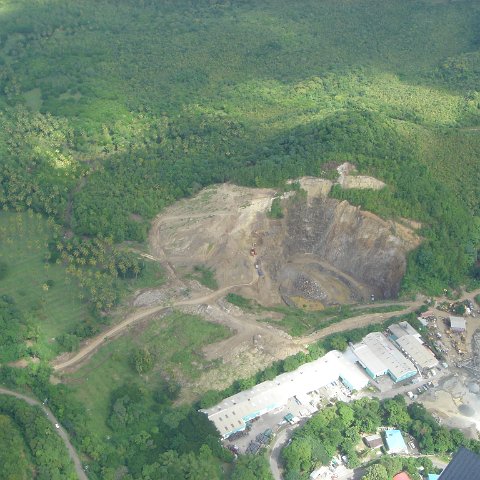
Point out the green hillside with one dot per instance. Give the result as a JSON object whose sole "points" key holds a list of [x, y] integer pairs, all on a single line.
{"points": [[112, 110], [13, 452]]}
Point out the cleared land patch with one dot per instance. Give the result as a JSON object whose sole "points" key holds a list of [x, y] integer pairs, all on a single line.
{"points": [[175, 341]]}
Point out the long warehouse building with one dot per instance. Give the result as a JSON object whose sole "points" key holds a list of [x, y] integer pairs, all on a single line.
{"points": [[417, 352], [411, 344], [380, 357], [231, 414]]}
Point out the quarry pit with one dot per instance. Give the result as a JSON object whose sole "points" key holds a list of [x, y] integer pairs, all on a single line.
{"points": [[322, 252]]}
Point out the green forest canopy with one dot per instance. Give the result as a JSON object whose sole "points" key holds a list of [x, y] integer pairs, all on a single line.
{"points": [[29, 444], [339, 428], [112, 110], [13, 452]]}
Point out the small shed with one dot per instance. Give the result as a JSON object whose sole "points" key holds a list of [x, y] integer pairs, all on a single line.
{"points": [[373, 441], [395, 441], [458, 324]]}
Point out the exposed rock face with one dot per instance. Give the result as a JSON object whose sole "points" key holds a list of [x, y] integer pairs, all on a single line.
{"points": [[356, 243], [323, 251]]}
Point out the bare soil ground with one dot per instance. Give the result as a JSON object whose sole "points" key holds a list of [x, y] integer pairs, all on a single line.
{"points": [[217, 228], [456, 406]]}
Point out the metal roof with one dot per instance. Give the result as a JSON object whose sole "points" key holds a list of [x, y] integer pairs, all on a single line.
{"points": [[232, 413], [458, 323], [378, 354], [465, 465], [395, 441], [418, 352], [403, 328], [369, 359]]}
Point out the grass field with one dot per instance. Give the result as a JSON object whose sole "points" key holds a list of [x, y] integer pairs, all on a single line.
{"points": [[176, 342], [152, 276], [54, 309], [205, 276]]}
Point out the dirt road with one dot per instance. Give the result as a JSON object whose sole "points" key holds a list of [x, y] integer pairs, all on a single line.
{"points": [[94, 343], [359, 321], [367, 319], [61, 432], [348, 324]]}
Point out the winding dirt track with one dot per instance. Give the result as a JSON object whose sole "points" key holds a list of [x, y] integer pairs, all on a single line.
{"points": [[348, 324], [61, 432], [95, 342]]}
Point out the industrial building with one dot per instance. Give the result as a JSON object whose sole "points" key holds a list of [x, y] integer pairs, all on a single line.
{"points": [[402, 329], [410, 342], [232, 414], [421, 356], [395, 442], [458, 324], [465, 465], [380, 357]]}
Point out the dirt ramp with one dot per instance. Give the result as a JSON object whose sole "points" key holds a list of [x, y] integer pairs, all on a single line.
{"points": [[322, 250]]}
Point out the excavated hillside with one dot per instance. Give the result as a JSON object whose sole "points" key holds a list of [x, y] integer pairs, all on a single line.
{"points": [[322, 252]]}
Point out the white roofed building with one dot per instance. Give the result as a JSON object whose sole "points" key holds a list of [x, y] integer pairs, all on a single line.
{"points": [[231, 414], [458, 324], [379, 357], [421, 356]]}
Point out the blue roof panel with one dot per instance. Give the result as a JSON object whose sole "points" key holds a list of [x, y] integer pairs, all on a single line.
{"points": [[395, 440]]}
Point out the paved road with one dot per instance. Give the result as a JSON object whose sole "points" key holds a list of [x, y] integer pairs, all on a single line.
{"points": [[276, 449], [61, 432]]}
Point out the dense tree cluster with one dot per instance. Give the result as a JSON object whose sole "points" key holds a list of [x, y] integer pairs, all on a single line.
{"points": [[14, 330], [159, 440], [108, 136], [251, 467], [14, 458], [151, 438], [46, 449], [97, 264], [338, 429]]}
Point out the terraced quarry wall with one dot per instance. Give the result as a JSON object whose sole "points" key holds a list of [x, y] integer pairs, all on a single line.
{"points": [[322, 250]]}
